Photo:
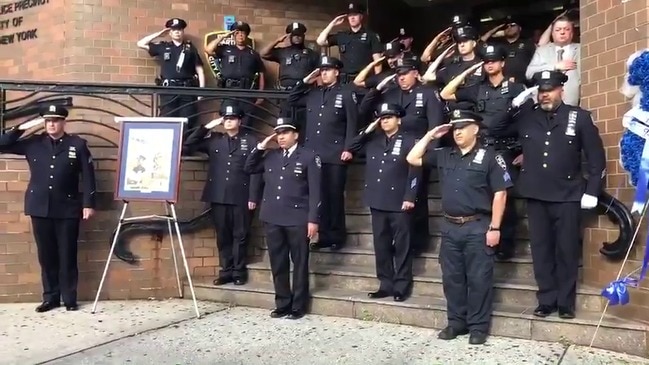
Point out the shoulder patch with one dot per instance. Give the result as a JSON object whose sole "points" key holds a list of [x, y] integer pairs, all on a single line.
{"points": [[378, 38], [318, 161], [354, 97], [501, 162]]}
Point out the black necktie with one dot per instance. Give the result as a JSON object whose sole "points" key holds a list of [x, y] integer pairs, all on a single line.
{"points": [[285, 158]]}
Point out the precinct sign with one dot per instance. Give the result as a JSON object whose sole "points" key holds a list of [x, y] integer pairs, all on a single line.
{"points": [[214, 63]]}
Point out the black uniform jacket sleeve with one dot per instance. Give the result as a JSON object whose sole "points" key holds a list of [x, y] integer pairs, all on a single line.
{"points": [[368, 104], [594, 152], [414, 178], [296, 94], [254, 162], [360, 140], [498, 176], [431, 157], [89, 183], [469, 93], [434, 108], [314, 176], [196, 141], [351, 113], [256, 180], [10, 142]]}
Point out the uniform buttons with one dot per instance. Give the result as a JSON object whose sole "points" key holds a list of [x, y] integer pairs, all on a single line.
{"points": [[545, 154], [284, 168], [320, 114], [295, 205], [380, 171], [318, 123], [382, 161], [229, 156], [278, 197], [228, 162], [391, 187], [51, 176], [549, 133], [372, 157], [227, 178], [210, 179], [321, 106], [317, 132], [51, 166], [378, 180], [279, 187], [569, 177], [545, 165], [281, 177], [50, 187], [53, 157], [547, 143], [227, 171], [385, 153]]}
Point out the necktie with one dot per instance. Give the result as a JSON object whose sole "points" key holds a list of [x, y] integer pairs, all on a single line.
{"points": [[285, 157], [560, 52]]}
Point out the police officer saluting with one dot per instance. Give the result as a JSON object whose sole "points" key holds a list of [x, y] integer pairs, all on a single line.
{"points": [[391, 53], [553, 136], [52, 200], [290, 212], [181, 66], [406, 39], [474, 192], [232, 193], [332, 116], [241, 66], [391, 186], [492, 99], [358, 46]]}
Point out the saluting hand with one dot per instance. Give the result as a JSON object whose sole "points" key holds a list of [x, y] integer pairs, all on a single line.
{"points": [[311, 230], [312, 77], [264, 143], [88, 213], [385, 81], [372, 125], [214, 123], [473, 68], [439, 131], [339, 19], [32, 123]]}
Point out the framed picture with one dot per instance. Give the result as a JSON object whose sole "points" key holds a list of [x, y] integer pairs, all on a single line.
{"points": [[148, 162]]}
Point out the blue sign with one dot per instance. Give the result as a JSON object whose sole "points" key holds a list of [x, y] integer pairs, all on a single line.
{"points": [[228, 20]]}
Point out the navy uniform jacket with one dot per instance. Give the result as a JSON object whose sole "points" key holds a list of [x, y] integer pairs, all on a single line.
{"points": [[227, 183], [424, 110], [332, 116], [292, 188], [53, 190], [389, 179], [468, 181], [552, 145]]}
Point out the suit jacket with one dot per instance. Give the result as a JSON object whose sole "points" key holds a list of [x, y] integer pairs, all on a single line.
{"points": [[545, 58]]}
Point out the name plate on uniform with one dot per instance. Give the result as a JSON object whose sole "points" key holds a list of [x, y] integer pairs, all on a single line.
{"points": [[215, 65]]}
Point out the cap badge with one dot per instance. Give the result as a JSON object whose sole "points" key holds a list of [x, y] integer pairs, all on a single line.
{"points": [[402, 31], [384, 107], [490, 49], [545, 75], [456, 113], [295, 26], [52, 108], [175, 22], [228, 109], [351, 6], [456, 18], [280, 121]]}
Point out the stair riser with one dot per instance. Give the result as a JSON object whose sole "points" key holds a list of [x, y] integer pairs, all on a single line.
{"points": [[519, 297], [614, 339]]}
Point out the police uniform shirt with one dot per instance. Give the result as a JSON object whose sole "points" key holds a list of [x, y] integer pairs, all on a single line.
{"points": [[237, 63], [356, 49], [454, 68], [492, 102], [469, 181], [519, 56], [373, 81], [552, 144], [169, 54], [54, 165], [295, 62]]}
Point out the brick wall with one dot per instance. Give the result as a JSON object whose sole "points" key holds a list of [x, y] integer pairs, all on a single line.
{"points": [[611, 32]]}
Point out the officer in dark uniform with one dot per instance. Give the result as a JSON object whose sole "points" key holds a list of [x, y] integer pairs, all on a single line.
{"points": [[232, 193], [391, 53], [290, 212], [52, 200], [553, 136], [424, 110], [492, 99], [332, 117], [391, 187], [358, 46], [181, 65], [241, 66], [406, 39], [474, 186], [519, 51]]}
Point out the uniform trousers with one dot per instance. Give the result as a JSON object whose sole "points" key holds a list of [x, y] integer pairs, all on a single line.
{"points": [[332, 209], [420, 226], [509, 222], [56, 243], [180, 106], [391, 234], [467, 274], [286, 244], [232, 224], [554, 239]]}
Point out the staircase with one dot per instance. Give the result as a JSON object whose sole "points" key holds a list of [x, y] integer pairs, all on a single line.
{"points": [[341, 279]]}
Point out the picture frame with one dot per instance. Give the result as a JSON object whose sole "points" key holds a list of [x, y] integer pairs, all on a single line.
{"points": [[149, 158]]}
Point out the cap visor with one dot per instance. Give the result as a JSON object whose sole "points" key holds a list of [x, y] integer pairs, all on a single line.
{"points": [[391, 54], [53, 116], [403, 70], [284, 128], [300, 33], [547, 87]]}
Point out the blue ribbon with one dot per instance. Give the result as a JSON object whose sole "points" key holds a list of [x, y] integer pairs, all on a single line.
{"points": [[617, 292]]}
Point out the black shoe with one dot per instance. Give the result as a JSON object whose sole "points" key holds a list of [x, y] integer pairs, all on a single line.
{"points": [[71, 307], [398, 297], [240, 281], [221, 281], [450, 333], [379, 294], [544, 311], [504, 256], [47, 306], [280, 312], [295, 314], [566, 313], [319, 245], [477, 338]]}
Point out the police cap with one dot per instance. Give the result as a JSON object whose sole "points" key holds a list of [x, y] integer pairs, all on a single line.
{"points": [[549, 80], [510, 20], [54, 111], [240, 26], [492, 53], [355, 8], [404, 34], [330, 62], [462, 118], [465, 33], [231, 111], [406, 64], [392, 49], [284, 124], [459, 21], [390, 110], [296, 29], [176, 23]]}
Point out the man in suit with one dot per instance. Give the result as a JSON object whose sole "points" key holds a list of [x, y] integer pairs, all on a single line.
{"points": [[560, 55]]}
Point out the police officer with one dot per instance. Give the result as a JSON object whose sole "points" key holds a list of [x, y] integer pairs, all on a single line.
{"points": [[358, 46], [391, 53], [519, 51], [241, 66], [492, 99], [52, 200], [290, 212], [391, 187], [474, 187], [553, 136], [181, 65], [332, 117], [232, 193], [424, 110], [406, 39]]}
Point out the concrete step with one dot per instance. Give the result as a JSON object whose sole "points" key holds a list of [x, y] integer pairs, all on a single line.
{"points": [[362, 278], [427, 311]]}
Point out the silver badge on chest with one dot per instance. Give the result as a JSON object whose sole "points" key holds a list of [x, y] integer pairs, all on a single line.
{"points": [[299, 169], [339, 101], [72, 152], [396, 149], [419, 100], [244, 144], [572, 124], [479, 156]]}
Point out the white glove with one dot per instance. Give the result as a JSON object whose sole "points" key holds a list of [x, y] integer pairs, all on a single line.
{"points": [[385, 81], [372, 126], [522, 97], [32, 123], [214, 123], [588, 201]]}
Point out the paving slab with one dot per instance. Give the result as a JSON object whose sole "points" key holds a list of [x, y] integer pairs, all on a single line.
{"points": [[591, 356], [28, 337]]}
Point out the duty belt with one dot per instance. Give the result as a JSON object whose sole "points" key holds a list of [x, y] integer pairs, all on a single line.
{"points": [[177, 82], [499, 142], [235, 83], [285, 88], [461, 220]]}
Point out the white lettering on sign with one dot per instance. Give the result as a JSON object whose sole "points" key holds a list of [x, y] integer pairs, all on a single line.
{"points": [[17, 21]]}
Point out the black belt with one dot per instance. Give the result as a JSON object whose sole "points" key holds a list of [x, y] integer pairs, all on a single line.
{"points": [[498, 142], [461, 220], [177, 82], [285, 88]]}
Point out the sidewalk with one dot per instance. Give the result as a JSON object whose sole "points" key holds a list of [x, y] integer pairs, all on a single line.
{"points": [[247, 336]]}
